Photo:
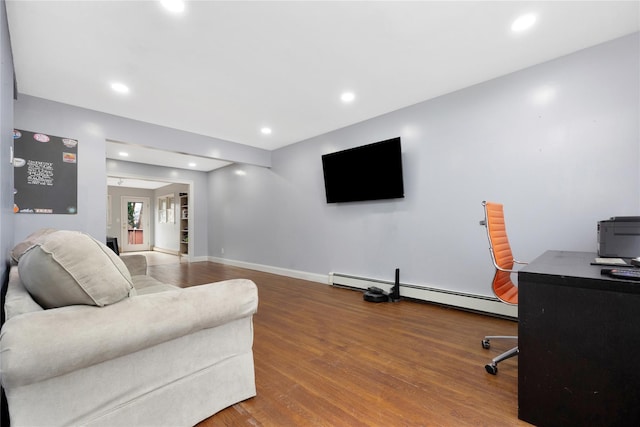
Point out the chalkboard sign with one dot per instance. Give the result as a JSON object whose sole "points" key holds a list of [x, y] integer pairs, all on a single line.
{"points": [[45, 172]]}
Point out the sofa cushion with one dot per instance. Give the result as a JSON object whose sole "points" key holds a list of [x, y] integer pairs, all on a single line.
{"points": [[50, 343], [70, 267], [148, 285], [18, 301], [136, 264], [29, 241]]}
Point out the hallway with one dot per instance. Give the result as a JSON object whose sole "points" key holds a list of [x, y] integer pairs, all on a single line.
{"points": [[158, 258]]}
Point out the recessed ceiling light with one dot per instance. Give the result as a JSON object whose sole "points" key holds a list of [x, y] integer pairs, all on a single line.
{"points": [[119, 87], [192, 165], [348, 97], [523, 22], [266, 131], [175, 6], [240, 172], [123, 154]]}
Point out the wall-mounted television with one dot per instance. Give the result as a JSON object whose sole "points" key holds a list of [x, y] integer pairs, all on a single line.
{"points": [[368, 172]]}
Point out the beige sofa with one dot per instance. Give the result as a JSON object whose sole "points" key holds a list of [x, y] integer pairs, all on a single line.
{"points": [[159, 356]]}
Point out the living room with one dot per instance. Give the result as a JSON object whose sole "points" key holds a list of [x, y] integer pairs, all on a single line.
{"points": [[545, 161], [556, 142]]}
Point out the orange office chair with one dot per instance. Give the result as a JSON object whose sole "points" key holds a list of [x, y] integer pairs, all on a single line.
{"points": [[503, 261]]}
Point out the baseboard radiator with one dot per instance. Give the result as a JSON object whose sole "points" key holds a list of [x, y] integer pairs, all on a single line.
{"points": [[460, 300]]}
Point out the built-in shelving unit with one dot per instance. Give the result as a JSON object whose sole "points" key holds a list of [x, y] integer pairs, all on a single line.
{"points": [[184, 223]]}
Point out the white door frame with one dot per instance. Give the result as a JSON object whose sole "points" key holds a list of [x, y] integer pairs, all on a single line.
{"points": [[124, 224]]}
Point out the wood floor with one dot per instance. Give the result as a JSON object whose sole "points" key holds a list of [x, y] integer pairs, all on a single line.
{"points": [[325, 357]]}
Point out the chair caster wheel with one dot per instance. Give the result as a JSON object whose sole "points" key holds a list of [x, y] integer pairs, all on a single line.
{"points": [[486, 344], [492, 369]]}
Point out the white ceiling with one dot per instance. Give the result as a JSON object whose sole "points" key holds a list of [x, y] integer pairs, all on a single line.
{"points": [[135, 183], [225, 69], [141, 154]]}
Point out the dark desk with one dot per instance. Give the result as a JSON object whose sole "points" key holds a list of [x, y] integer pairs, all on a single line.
{"points": [[579, 341]]}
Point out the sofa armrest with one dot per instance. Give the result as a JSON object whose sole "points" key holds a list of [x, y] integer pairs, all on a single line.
{"points": [[137, 264], [17, 300], [44, 344]]}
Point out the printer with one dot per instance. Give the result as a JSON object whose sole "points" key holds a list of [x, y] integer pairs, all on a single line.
{"points": [[619, 237]]}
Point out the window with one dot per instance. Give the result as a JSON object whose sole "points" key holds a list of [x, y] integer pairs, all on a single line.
{"points": [[166, 209], [171, 217]]}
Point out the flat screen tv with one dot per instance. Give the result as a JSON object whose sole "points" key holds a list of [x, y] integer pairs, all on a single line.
{"points": [[368, 172]]}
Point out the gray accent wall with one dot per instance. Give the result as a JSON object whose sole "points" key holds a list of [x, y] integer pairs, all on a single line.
{"points": [[6, 143], [92, 129], [558, 144], [37, 115]]}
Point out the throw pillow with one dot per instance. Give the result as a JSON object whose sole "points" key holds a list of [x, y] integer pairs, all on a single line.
{"points": [[70, 267], [30, 240]]}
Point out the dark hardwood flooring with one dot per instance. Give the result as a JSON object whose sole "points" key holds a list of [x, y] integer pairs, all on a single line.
{"points": [[325, 357]]}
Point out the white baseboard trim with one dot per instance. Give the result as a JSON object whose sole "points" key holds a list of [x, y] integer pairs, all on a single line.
{"points": [[461, 300], [165, 251], [296, 274]]}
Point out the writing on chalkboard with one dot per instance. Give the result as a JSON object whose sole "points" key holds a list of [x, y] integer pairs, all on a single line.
{"points": [[45, 173], [39, 173]]}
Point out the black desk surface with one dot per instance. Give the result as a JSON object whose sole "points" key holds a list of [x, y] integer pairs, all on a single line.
{"points": [[579, 341], [565, 268]]}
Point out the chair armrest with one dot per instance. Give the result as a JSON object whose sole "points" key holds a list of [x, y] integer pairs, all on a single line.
{"points": [[44, 344], [506, 270]]}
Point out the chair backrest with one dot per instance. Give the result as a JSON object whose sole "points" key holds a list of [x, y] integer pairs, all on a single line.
{"points": [[503, 286]]}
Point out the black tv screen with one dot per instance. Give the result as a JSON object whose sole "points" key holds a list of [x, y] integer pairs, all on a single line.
{"points": [[369, 172]]}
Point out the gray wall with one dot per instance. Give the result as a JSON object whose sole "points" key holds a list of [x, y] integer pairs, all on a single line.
{"points": [[52, 118], [557, 143], [558, 167], [92, 129], [6, 141]]}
